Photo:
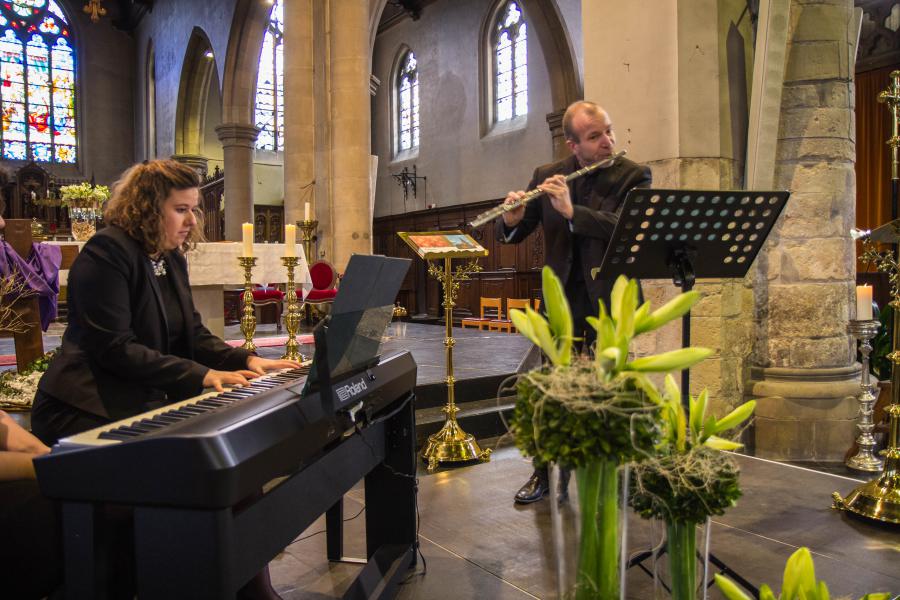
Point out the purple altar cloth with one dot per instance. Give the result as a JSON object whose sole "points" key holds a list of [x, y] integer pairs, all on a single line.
{"points": [[41, 274]]}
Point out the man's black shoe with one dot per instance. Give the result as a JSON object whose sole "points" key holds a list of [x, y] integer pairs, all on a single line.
{"points": [[533, 490]]}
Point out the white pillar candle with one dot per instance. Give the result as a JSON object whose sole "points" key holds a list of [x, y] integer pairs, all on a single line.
{"points": [[306, 212], [863, 303], [290, 240], [247, 230]]}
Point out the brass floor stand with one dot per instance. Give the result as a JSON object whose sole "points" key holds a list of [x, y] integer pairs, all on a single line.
{"points": [[451, 444], [248, 318]]}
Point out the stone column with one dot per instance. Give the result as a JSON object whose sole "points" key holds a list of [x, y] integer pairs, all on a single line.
{"points": [[805, 375], [238, 144], [299, 104], [557, 135], [350, 147], [198, 162]]}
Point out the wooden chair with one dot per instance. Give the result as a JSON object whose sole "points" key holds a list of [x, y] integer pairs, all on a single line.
{"points": [[507, 324], [537, 305], [494, 305]]}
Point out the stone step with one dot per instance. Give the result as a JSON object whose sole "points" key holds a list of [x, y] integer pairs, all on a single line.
{"points": [[481, 418]]}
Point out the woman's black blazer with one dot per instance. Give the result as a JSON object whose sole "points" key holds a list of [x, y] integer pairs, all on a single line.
{"points": [[114, 357]]}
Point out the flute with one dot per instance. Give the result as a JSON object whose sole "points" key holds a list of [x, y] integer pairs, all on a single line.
{"points": [[490, 215]]}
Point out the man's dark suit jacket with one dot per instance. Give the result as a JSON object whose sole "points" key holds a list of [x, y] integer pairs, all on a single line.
{"points": [[592, 222], [114, 357]]}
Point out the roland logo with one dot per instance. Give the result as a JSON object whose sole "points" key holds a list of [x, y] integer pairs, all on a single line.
{"points": [[351, 390]]}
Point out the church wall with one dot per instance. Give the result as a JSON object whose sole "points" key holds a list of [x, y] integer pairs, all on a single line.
{"points": [[169, 25], [104, 102], [461, 165]]}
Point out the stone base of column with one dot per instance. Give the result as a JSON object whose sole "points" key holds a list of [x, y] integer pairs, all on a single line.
{"points": [[804, 414], [198, 162]]}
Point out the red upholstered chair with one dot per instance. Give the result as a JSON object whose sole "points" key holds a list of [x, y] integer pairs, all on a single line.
{"points": [[267, 295], [324, 280]]}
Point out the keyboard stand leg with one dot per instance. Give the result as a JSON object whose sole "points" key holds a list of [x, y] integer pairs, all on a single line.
{"points": [[86, 550], [334, 531], [391, 487]]}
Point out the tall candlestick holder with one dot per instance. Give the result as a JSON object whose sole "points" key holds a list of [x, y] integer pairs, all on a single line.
{"points": [[308, 236], [308, 229], [292, 314], [248, 318], [865, 459]]}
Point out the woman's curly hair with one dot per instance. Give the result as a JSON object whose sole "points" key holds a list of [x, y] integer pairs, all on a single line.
{"points": [[138, 197]]}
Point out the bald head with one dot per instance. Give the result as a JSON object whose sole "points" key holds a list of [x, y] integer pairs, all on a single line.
{"points": [[589, 132], [582, 107]]}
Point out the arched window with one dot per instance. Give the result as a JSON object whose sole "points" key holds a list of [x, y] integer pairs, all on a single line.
{"points": [[37, 73], [408, 103], [270, 84], [510, 61]]}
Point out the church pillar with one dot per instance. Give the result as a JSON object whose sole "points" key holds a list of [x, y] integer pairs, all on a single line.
{"points": [[672, 109], [198, 162], [238, 142], [804, 374], [299, 121], [350, 144]]}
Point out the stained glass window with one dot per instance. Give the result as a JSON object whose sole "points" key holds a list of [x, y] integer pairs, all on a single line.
{"points": [[408, 102], [510, 64], [270, 84], [37, 83]]}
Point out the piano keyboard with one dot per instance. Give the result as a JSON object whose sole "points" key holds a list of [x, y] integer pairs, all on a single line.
{"points": [[171, 414]]}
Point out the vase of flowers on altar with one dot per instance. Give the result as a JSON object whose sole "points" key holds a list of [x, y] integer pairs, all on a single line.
{"points": [[595, 414], [85, 204]]}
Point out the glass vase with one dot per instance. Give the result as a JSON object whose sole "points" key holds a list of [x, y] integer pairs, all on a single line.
{"points": [[587, 532], [84, 223]]}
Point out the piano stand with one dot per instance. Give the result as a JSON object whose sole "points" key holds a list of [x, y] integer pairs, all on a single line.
{"points": [[210, 553]]}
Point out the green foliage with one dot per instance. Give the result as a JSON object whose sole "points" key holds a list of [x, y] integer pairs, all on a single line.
{"points": [[688, 479], [563, 414], [41, 364], [554, 334], [83, 195], [882, 345], [687, 487], [799, 583]]}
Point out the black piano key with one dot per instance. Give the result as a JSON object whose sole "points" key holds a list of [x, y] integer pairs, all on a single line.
{"points": [[115, 435], [209, 402]]}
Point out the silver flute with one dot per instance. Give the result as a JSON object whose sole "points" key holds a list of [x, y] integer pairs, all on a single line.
{"points": [[493, 213]]}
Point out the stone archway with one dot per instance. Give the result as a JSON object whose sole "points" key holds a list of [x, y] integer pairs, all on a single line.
{"points": [[197, 72], [238, 132]]}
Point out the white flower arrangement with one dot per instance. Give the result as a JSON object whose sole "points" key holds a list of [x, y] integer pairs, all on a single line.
{"points": [[17, 391]]}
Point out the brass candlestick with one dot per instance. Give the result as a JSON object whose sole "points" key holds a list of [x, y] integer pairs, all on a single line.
{"points": [[248, 319], [451, 444], [307, 238], [292, 314]]}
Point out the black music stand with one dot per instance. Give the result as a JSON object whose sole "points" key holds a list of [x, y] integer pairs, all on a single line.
{"points": [[661, 234], [685, 235]]}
